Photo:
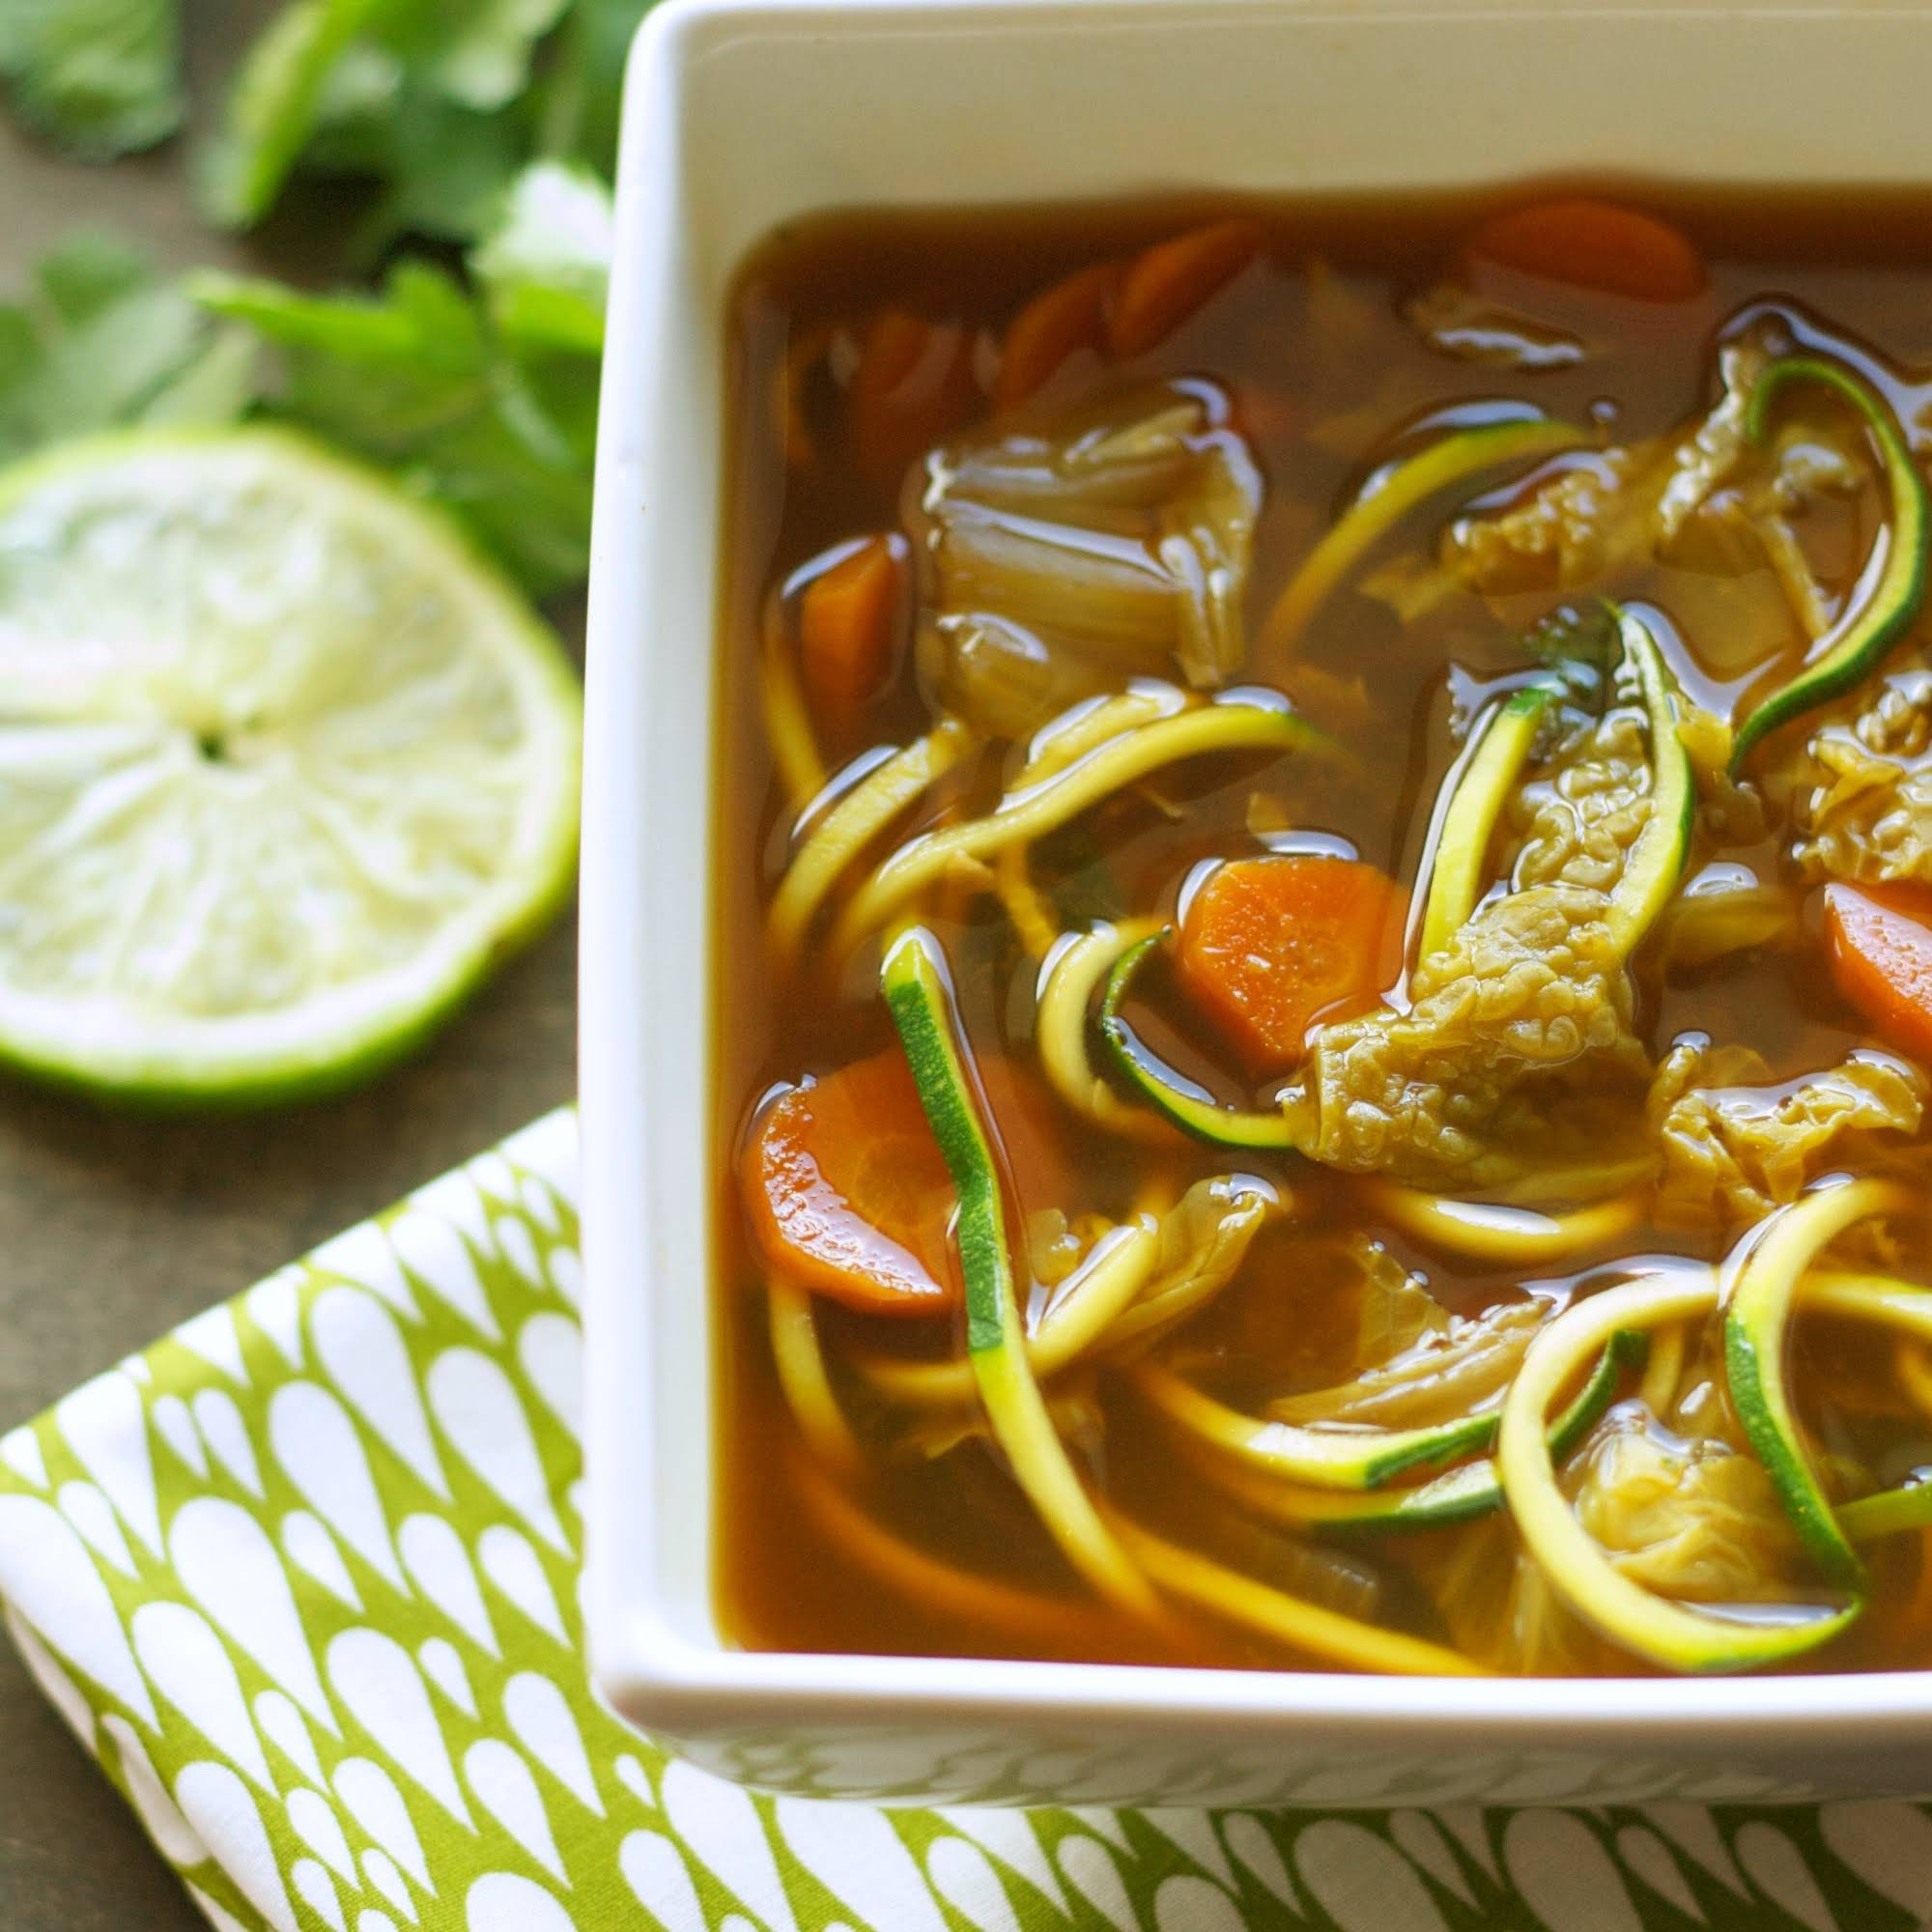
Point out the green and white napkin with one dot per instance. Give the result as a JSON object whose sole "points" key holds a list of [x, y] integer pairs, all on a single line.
{"points": [[302, 1577]]}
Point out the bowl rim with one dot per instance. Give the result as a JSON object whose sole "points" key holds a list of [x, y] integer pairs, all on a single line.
{"points": [[644, 1662]]}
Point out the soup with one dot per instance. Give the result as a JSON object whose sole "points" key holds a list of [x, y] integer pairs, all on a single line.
{"points": [[1325, 932]]}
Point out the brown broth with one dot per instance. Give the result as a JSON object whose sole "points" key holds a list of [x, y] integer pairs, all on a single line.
{"points": [[788, 1576]]}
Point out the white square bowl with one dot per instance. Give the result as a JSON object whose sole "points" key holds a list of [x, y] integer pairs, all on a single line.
{"points": [[744, 114]]}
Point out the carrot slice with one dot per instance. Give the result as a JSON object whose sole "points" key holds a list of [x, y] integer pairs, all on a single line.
{"points": [[849, 621], [1167, 283], [1268, 946], [1070, 315], [1878, 941], [1592, 245], [848, 1193], [913, 384]]}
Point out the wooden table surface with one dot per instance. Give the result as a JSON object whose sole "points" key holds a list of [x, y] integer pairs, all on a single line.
{"points": [[113, 1228]]}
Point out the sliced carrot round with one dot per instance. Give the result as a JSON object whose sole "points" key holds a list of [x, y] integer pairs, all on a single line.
{"points": [[1268, 946], [848, 1193], [1166, 284], [1069, 316], [1592, 245], [1878, 941], [848, 623]]}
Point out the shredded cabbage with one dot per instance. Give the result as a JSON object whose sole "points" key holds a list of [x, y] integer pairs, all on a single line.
{"points": [[1864, 807], [1581, 815], [1704, 498], [1722, 911], [1515, 1053], [1453, 1370], [1058, 562], [1498, 1606], [1733, 1147], [1204, 1238], [1695, 1522], [1582, 520]]}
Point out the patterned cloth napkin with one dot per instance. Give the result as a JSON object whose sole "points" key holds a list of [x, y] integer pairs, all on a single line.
{"points": [[302, 1577]]}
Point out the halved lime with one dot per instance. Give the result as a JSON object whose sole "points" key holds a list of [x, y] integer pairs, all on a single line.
{"points": [[283, 767]]}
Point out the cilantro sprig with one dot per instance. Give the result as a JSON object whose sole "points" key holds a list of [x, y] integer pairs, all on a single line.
{"points": [[481, 134], [103, 77]]}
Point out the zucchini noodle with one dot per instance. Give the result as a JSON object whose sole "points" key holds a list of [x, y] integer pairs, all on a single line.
{"points": [[1673, 1634], [787, 722], [1893, 584], [1027, 910], [919, 995], [1226, 724], [1662, 1372], [1345, 1458], [1480, 788], [1758, 1322], [1167, 1301], [1118, 1266], [1657, 861], [1170, 1092], [1459, 454], [852, 823], [1898, 1305], [802, 1375], [1085, 726], [1308, 1627], [1460, 1495], [1075, 966], [1502, 1234]]}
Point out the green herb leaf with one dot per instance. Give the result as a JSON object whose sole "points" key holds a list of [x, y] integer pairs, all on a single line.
{"points": [[90, 270], [545, 267], [439, 106], [1580, 643], [99, 342], [273, 102], [419, 380], [581, 94], [103, 77], [445, 169], [485, 62]]}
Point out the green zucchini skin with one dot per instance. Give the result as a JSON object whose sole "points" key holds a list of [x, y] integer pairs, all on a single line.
{"points": [[1871, 631], [1455, 873], [1334, 1460], [1662, 849], [916, 1000], [1453, 458], [1475, 1490], [1678, 1636], [919, 996], [1220, 1127], [1757, 1317]]}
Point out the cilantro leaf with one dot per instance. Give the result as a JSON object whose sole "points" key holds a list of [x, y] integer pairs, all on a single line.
{"points": [[272, 105], [485, 61], [419, 380], [99, 342], [445, 169], [545, 267], [89, 271], [437, 103], [103, 77], [581, 94]]}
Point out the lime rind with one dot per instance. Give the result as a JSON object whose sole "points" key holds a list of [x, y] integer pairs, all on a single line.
{"points": [[349, 1023]]}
